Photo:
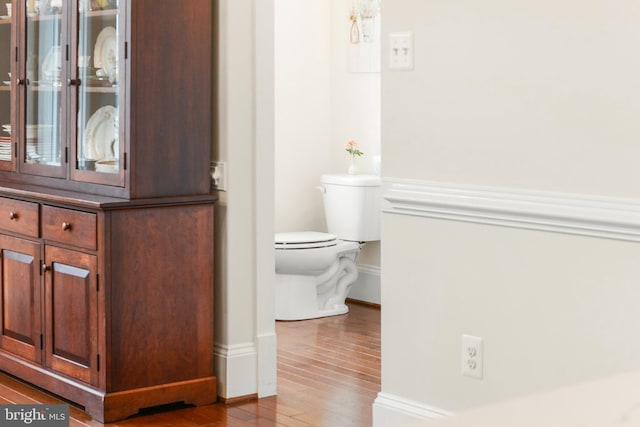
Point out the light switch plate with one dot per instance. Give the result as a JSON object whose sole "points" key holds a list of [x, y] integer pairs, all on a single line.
{"points": [[219, 176], [401, 51]]}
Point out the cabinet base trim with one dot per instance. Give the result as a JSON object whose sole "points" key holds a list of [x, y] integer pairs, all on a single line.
{"points": [[110, 407], [119, 405]]}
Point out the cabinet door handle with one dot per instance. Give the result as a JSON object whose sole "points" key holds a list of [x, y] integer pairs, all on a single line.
{"points": [[73, 82], [45, 268], [20, 82], [13, 215], [66, 226]]}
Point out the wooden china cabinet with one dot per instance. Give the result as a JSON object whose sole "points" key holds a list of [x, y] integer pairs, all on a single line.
{"points": [[106, 216]]}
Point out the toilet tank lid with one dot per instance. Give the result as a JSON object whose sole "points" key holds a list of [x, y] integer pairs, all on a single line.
{"points": [[303, 237], [351, 180]]}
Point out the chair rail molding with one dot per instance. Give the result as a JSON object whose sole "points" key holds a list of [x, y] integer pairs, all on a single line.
{"points": [[576, 214]]}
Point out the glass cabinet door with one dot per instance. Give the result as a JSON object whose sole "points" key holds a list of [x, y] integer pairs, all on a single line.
{"points": [[97, 65], [7, 155], [44, 71]]}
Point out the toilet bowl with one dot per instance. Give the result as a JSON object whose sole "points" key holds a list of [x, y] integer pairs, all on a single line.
{"points": [[314, 270]]}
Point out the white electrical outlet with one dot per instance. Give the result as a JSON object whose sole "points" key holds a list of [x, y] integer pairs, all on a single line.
{"points": [[472, 356], [401, 51]]}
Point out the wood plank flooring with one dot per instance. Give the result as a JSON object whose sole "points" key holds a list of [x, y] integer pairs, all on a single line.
{"points": [[328, 375]]}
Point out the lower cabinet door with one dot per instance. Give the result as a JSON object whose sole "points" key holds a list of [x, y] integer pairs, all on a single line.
{"points": [[71, 313], [21, 293]]}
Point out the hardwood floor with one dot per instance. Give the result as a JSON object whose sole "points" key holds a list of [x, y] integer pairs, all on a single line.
{"points": [[328, 375]]}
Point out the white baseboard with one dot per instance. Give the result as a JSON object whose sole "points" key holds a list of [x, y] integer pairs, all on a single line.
{"points": [[395, 411], [236, 369], [367, 287]]}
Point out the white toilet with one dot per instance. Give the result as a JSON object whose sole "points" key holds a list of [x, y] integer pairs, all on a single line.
{"points": [[314, 271]]}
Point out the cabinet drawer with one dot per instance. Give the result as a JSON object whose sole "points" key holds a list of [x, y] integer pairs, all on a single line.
{"points": [[19, 217], [69, 226]]}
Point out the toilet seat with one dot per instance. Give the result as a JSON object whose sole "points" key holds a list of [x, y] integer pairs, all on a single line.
{"points": [[304, 240]]}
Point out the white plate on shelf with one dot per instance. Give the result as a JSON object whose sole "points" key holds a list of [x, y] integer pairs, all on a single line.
{"points": [[100, 139], [6, 82], [105, 52]]}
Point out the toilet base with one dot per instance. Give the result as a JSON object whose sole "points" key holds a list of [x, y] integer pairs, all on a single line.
{"points": [[297, 299], [312, 283]]}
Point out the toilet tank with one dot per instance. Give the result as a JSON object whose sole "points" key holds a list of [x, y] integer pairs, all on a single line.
{"points": [[352, 206]]}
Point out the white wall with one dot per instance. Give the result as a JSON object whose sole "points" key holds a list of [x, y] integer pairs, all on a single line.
{"points": [[355, 103], [319, 106], [302, 113], [508, 99]]}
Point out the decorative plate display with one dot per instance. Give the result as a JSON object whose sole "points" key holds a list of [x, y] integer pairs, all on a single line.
{"points": [[105, 52], [100, 139]]}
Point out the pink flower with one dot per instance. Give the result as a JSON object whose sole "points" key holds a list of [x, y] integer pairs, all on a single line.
{"points": [[352, 148]]}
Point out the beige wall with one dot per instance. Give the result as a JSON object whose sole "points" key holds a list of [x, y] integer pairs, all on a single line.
{"points": [[552, 309], [515, 97], [533, 94]]}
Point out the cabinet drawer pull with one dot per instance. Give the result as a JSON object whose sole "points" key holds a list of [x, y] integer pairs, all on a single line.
{"points": [[66, 226], [13, 215]]}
